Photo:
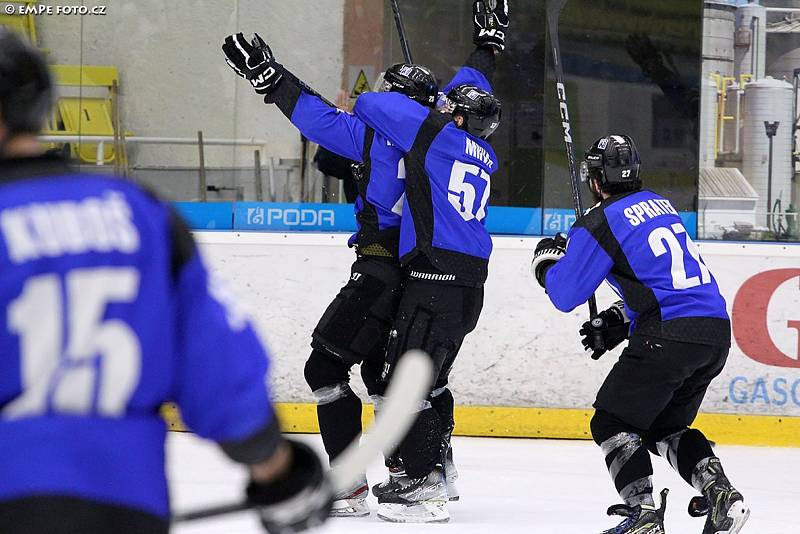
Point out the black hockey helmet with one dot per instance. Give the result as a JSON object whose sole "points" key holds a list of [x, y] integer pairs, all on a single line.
{"points": [[614, 162], [25, 87], [480, 109], [415, 81]]}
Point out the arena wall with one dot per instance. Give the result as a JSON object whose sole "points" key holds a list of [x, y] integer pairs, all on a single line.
{"points": [[524, 353], [173, 76]]}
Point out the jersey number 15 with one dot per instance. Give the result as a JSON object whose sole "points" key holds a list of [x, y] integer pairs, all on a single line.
{"points": [[95, 367]]}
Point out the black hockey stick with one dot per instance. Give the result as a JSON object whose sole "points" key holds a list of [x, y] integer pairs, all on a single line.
{"points": [[554, 8], [401, 32], [406, 390]]}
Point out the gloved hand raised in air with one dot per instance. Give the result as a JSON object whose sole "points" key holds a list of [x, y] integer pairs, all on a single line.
{"points": [[548, 251], [490, 23], [612, 325], [253, 61]]}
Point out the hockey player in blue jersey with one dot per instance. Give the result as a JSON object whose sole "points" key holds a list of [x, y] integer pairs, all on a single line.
{"points": [[444, 250], [679, 335], [355, 327], [109, 312]]}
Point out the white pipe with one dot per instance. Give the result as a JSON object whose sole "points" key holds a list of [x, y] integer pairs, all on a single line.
{"points": [[783, 9], [739, 93], [101, 153], [150, 140], [271, 179]]}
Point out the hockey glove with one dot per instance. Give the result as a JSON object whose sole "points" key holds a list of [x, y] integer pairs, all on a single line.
{"points": [[299, 500], [612, 325], [548, 252], [253, 61], [490, 23]]}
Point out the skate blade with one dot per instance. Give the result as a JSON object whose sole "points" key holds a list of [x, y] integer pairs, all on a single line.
{"points": [[740, 513], [428, 512], [452, 492], [349, 508]]}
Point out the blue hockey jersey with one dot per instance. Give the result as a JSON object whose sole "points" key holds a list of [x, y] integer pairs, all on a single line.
{"points": [[109, 312], [381, 189], [447, 181], [637, 242]]}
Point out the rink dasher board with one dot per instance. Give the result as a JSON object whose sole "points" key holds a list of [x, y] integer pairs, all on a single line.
{"points": [[522, 373]]}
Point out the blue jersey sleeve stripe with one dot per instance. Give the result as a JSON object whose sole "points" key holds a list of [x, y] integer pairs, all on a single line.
{"points": [[574, 279], [336, 130]]}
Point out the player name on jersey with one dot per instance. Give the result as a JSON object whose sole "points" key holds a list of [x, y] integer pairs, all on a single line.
{"points": [[478, 152], [49, 229], [648, 209]]}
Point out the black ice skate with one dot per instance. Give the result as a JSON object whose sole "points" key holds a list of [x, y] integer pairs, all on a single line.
{"points": [[416, 500], [722, 505], [397, 474], [641, 519]]}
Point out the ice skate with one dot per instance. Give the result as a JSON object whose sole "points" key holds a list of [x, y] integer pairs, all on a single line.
{"points": [[451, 475], [352, 503], [416, 500], [642, 519], [397, 474], [722, 505]]}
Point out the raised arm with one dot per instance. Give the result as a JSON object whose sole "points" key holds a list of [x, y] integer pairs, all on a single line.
{"points": [[317, 119], [489, 32]]}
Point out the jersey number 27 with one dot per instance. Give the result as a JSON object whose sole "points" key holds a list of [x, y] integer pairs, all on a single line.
{"points": [[95, 367], [662, 236]]}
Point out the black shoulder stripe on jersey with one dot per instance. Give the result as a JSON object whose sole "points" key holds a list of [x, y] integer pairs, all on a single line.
{"points": [[638, 297], [257, 447], [482, 59], [285, 95], [418, 186]]}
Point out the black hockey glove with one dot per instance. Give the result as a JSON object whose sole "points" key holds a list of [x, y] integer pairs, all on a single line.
{"points": [[299, 500], [548, 252], [253, 61], [612, 325], [490, 23]]}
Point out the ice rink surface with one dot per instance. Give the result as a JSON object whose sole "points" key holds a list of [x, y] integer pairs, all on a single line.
{"points": [[510, 486]]}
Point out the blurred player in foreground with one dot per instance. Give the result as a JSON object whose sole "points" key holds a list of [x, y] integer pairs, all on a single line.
{"points": [[109, 312], [676, 319]]}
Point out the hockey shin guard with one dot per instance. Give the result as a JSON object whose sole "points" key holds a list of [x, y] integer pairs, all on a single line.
{"points": [[627, 459], [339, 420], [685, 450]]}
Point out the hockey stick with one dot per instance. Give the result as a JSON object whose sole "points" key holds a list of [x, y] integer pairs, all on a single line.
{"points": [[554, 8], [409, 386], [401, 31]]}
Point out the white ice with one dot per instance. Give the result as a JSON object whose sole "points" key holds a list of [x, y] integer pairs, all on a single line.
{"points": [[509, 486]]}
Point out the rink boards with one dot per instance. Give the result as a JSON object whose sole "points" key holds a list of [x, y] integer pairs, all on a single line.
{"points": [[522, 371]]}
